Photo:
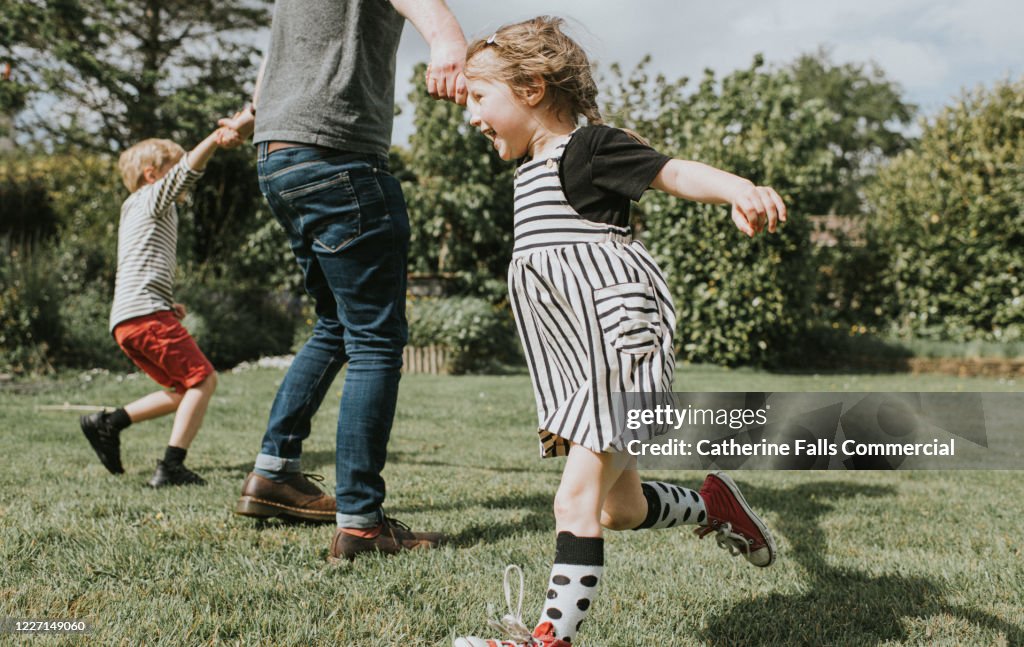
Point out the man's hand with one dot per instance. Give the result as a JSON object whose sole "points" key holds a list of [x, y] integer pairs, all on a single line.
{"points": [[438, 26], [444, 73]]}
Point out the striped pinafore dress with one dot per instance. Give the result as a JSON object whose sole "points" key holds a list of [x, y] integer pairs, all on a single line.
{"points": [[593, 312]]}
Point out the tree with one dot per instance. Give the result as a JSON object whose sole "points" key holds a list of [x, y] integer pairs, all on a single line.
{"points": [[869, 118], [460, 196], [105, 74], [740, 300], [111, 72]]}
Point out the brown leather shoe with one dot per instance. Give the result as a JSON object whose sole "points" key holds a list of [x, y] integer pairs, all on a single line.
{"points": [[297, 498], [394, 537]]}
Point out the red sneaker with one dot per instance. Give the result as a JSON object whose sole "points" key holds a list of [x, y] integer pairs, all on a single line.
{"points": [[543, 636], [512, 625], [737, 528]]}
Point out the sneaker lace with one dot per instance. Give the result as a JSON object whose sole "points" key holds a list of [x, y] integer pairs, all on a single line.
{"points": [[512, 622], [731, 541]]}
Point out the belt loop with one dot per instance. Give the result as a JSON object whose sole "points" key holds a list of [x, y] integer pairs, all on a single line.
{"points": [[261, 152]]}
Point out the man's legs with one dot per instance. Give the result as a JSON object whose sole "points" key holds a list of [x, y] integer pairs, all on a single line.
{"points": [[347, 224], [366, 271]]}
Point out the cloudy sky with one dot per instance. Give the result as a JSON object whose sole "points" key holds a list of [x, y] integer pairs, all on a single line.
{"points": [[932, 48]]}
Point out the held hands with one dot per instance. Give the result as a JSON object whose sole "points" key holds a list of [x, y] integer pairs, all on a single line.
{"points": [[756, 207], [444, 72], [234, 130], [228, 137]]}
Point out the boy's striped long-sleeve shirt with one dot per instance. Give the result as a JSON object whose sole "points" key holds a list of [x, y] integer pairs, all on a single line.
{"points": [[147, 240]]}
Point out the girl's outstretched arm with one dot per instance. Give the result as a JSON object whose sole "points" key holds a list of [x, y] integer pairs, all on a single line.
{"points": [[753, 207]]}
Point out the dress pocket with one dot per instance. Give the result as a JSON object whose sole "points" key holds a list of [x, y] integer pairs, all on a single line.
{"points": [[629, 317]]}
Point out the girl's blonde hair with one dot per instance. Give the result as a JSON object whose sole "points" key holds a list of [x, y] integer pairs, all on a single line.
{"points": [[538, 48], [156, 153]]}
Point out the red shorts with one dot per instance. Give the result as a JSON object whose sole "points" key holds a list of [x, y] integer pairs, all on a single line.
{"points": [[160, 346]]}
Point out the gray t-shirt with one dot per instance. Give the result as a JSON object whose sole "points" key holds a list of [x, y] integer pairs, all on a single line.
{"points": [[330, 74]]}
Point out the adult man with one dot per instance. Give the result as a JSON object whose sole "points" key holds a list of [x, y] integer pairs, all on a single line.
{"points": [[325, 102]]}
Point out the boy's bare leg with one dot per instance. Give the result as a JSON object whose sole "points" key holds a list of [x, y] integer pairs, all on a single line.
{"points": [[191, 411], [103, 428], [154, 405]]}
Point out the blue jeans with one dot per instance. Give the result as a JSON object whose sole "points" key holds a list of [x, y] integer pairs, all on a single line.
{"points": [[347, 224]]}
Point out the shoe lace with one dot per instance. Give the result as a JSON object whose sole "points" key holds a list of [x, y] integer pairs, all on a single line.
{"points": [[512, 622], [731, 541], [395, 523], [315, 477]]}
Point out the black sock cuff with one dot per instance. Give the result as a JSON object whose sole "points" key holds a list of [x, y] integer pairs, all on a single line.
{"points": [[174, 454], [119, 419], [653, 506], [582, 551]]}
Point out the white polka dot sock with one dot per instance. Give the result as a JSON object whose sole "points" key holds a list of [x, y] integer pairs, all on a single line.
{"points": [[579, 563], [670, 505]]}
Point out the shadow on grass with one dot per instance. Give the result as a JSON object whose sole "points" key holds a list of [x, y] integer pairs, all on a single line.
{"points": [[537, 517], [312, 462], [411, 458], [840, 606]]}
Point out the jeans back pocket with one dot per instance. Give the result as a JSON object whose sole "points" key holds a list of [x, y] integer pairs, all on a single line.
{"points": [[327, 211]]}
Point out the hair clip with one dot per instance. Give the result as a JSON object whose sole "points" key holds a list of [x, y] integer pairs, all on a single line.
{"points": [[490, 41]]}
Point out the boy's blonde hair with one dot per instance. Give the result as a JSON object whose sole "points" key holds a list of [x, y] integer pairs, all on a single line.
{"points": [[538, 48], [155, 153]]}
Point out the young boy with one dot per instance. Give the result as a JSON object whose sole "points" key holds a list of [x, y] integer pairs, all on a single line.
{"points": [[144, 318]]}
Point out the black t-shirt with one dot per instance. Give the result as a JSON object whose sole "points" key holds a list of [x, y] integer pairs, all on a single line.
{"points": [[603, 169]]}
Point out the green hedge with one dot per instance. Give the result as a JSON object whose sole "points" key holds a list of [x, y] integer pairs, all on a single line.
{"points": [[478, 335], [945, 242], [739, 300], [58, 274], [234, 324]]}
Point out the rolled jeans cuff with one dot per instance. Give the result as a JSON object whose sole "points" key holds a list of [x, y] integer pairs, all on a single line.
{"points": [[371, 520], [278, 465]]}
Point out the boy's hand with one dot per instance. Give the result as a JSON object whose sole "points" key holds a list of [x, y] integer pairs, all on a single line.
{"points": [[756, 207], [179, 311]]}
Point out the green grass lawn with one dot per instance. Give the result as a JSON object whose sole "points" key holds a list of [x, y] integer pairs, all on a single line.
{"points": [[866, 558]]}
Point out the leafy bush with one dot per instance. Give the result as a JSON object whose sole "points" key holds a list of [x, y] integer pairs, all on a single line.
{"points": [[234, 324], [738, 301], [62, 256], [947, 230], [459, 194], [55, 310], [85, 340], [27, 216], [478, 335], [30, 322]]}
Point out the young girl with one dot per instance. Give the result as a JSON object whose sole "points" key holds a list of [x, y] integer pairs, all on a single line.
{"points": [[592, 307]]}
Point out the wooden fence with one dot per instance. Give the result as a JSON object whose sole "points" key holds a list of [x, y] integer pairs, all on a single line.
{"points": [[432, 360]]}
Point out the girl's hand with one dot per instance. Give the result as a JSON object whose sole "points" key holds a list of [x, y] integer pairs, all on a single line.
{"points": [[757, 206], [179, 311]]}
